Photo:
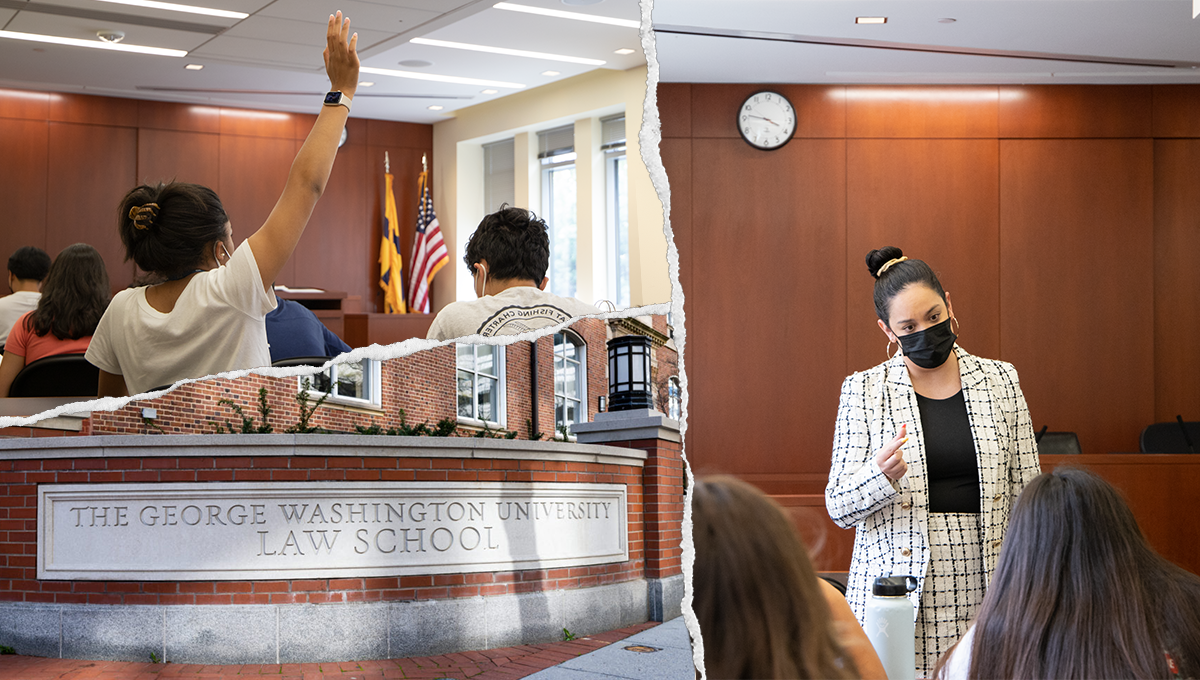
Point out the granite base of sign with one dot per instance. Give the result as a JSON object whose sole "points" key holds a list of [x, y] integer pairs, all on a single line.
{"points": [[665, 597], [269, 634]]}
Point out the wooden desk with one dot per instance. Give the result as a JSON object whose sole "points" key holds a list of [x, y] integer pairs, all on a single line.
{"points": [[363, 330], [1162, 490], [330, 306]]}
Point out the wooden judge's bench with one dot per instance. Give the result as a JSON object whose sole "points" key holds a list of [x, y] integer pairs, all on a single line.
{"points": [[342, 314], [1161, 489]]}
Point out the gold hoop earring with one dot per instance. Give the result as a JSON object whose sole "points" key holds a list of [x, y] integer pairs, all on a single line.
{"points": [[953, 321], [889, 349]]}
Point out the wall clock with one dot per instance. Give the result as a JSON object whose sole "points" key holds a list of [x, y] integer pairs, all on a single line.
{"points": [[766, 120]]}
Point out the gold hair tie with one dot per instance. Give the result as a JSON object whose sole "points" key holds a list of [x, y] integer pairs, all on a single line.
{"points": [[143, 215], [888, 265]]}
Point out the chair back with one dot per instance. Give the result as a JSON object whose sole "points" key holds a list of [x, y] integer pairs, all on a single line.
{"points": [[1168, 438], [1059, 444], [302, 361], [61, 375]]}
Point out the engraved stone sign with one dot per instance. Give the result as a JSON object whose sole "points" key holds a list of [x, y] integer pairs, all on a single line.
{"points": [[284, 530]]}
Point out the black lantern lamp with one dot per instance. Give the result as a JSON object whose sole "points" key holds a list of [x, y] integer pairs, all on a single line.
{"points": [[629, 373]]}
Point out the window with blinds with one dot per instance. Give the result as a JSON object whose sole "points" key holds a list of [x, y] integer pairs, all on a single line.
{"points": [[557, 145], [498, 179], [612, 134]]}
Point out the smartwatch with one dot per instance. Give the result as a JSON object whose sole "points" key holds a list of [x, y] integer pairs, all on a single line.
{"points": [[337, 98]]}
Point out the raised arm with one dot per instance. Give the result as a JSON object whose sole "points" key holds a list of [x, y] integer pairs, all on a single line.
{"points": [[274, 242]]}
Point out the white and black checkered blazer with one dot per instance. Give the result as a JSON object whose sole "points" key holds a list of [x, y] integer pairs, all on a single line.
{"points": [[891, 518]]}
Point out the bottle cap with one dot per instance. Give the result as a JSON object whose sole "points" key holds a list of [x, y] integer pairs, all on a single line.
{"points": [[894, 586]]}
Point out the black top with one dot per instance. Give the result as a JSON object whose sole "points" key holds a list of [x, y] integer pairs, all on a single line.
{"points": [[949, 454]]}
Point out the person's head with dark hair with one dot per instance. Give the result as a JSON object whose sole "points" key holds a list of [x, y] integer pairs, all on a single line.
{"points": [[909, 300], [174, 229], [760, 608], [1078, 593], [510, 247], [74, 294], [27, 267]]}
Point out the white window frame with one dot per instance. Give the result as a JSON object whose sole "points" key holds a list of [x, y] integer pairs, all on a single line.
{"points": [[611, 214], [549, 166], [581, 346], [371, 368], [501, 354]]}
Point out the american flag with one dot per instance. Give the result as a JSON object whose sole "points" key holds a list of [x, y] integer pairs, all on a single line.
{"points": [[429, 252]]}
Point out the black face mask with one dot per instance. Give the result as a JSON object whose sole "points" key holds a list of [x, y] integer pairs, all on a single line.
{"points": [[931, 347]]}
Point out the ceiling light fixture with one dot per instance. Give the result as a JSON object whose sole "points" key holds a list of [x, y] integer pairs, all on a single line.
{"points": [[551, 73], [489, 91], [190, 9], [366, 83], [194, 67], [624, 50], [947, 20], [111, 36], [560, 14], [507, 51], [438, 79], [436, 107], [870, 20], [96, 44]]}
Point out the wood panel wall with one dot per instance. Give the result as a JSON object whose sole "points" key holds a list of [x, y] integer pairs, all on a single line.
{"points": [[1063, 220], [67, 159]]}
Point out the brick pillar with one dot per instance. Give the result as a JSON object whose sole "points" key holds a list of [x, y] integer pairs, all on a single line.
{"points": [[662, 496]]}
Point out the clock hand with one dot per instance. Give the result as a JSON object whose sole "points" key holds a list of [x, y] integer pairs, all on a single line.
{"points": [[763, 118]]}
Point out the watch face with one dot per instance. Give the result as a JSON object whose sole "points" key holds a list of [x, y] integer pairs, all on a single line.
{"points": [[333, 98], [766, 120]]}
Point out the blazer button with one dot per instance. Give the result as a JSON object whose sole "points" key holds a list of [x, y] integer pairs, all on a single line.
{"points": [[906, 505], [996, 544], [997, 498], [906, 552]]}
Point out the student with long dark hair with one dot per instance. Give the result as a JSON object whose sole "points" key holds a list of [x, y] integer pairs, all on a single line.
{"points": [[206, 316], [1078, 593], [936, 509], [74, 296], [763, 612]]}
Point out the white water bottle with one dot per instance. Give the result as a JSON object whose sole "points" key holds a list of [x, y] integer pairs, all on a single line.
{"points": [[890, 625]]}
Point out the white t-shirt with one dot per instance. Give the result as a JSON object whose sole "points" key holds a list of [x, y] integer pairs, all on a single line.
{"points": [[959, 662], [12, 307], [217, 325], [512, 311]]}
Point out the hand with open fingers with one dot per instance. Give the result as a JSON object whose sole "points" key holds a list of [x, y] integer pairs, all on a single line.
{"points": [[341, 55], [891, 459]]}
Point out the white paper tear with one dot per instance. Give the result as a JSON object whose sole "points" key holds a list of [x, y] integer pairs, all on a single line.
{"points": [[648, 139]]}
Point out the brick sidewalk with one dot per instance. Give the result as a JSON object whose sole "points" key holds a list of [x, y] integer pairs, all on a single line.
{"points": [[505, 663]]}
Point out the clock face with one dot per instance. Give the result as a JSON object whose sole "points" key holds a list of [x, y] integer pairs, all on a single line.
{"points": [[766, 120]]}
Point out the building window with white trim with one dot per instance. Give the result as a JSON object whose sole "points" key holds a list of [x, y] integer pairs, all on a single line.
{"points": [[480, 385], [499, 178], [570, 381], [556, 152], [674, 398], [612, 144], [354, 383]]}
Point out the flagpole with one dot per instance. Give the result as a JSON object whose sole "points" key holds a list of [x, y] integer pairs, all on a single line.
{"points": [[387, 163], [424, 167]]}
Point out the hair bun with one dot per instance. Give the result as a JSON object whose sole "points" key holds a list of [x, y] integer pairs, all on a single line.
{"points": [[878, 258]]}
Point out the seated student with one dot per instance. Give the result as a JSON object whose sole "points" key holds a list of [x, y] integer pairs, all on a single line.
{"points": [[74, 297], [206, 316], [763, 612], [1078, 593], [508, 256], [26, 269], [294, 331]]}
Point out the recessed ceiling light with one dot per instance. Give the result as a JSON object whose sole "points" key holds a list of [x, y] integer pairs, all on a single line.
{"points": [[194, 67], [438, 79], [96, 44], [507, 51], [624, 50], [190, 9], [366, 83], [561, 14], [551, 73], [947, 20], [416, 63], [870, 20], [489, 91], [436, 107]]}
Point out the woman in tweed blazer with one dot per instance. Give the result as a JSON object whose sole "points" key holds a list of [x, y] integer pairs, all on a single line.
{"points": [[883, 490]]}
